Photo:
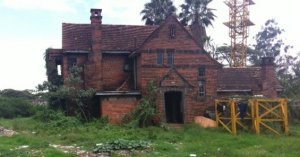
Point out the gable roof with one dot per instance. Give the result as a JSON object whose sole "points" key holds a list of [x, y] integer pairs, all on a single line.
{"points": [[240, 79], [163, 24], [115, 37]]}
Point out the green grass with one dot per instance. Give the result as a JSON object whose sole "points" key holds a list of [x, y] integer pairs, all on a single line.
{"points": [[165, 142]]}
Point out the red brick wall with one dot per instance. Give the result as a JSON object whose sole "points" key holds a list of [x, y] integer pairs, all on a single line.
{"points": [[116, 107], [269, 81], [80, 58], [188, 57], [113, 73]]}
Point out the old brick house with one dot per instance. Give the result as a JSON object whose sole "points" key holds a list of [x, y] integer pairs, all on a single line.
{"points": [[120, 60]]}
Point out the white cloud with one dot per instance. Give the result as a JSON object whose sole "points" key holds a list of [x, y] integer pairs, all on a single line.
{"points": [[48, 5], [21, 62], [121, 11]]}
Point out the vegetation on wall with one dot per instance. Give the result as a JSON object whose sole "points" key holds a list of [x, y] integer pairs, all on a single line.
{"points": [[51, 71], [145, 114], [70, 97]]}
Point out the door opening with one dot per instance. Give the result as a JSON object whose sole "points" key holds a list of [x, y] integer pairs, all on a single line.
{"points": [[173, 107]]}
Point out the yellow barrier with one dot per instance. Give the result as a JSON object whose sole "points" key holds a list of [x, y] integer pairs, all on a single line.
{"points": [[234, 114]]}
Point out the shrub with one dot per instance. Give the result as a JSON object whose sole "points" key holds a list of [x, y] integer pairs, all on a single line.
{"points": [[121, 144], [56, 118], [144, 114], [15, 107]]}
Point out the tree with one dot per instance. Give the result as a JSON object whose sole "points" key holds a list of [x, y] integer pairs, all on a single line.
{"points": [[223, 53], [70, 97], [269, 43], [156, 11], [197, 12]]}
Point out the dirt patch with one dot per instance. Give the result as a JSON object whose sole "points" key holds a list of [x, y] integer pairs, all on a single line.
{"points": [[78, 151], [6, 132]]}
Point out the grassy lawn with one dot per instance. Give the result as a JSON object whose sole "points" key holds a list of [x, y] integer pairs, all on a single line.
{"points": [[165, 142]]}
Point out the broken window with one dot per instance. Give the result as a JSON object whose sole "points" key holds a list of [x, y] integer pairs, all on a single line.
{"points": [[170, 54], [72, 61], [202, 87], [201, 72], [172, 31], [58, 67], [201, 78], [160, 57]]}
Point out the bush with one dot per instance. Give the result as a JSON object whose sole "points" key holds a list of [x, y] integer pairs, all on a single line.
{"points": [[144, 114], [15, 107], [56, 118], [121, 144]]}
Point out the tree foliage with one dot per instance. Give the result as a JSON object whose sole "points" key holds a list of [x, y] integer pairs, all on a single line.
{"points": [[197, 12], [156, 11], [269, 42], [144, 114], [70, 97]]}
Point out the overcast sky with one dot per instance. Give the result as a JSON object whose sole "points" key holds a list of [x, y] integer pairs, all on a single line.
{"points": [[28, 27]]}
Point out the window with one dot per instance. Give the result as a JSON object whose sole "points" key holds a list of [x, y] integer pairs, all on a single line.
{"points": [[72, 61], [172, 31], [160, 57], [202, 82], [170, 54], [58, 67], [202, 87], [201, 72]]}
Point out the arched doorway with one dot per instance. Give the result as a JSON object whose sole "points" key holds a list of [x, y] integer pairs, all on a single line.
{"points": [[173, 107]]}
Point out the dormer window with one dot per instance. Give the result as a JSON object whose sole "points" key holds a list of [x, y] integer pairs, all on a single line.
{"points": [[172, 31]]}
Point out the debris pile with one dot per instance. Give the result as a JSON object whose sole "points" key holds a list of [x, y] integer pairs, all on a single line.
{"points": [[78, 151], [6, 132]]}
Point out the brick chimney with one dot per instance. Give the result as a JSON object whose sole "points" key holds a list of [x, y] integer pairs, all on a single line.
{"points": [[93, 69], [96, 17], [199, 33], [270, 84]]}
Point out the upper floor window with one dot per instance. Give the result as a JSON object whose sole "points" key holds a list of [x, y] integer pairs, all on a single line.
{"points": [[201, 72], [160, 57], [172, 30], [170, 58]]}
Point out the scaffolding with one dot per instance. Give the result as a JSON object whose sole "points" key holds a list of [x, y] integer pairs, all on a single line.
{"points": [[267, 115], [238, 30]]}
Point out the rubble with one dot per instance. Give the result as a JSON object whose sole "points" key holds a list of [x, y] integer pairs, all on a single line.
{"points": [[6, 132]]}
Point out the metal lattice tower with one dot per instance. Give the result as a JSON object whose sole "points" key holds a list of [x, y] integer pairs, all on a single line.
{"points": [[238, 30]]}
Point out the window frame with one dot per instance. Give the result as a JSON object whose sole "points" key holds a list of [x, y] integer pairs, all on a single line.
{"points": [[202, 81], [170, 56], [172, 31], [160, 56]]}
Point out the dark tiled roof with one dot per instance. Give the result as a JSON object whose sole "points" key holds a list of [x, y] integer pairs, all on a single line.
{"points": [[240, 79], [76, 36], [115, 37]]}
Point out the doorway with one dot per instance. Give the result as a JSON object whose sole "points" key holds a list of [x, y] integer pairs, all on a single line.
{"points": [[173, 107]]}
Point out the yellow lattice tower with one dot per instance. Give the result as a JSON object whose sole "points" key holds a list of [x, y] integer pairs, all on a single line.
{"points": [[238, 30]]}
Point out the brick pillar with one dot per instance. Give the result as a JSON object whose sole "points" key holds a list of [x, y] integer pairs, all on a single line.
{"points": [[93, 70], [199, 33], [269, 77]]}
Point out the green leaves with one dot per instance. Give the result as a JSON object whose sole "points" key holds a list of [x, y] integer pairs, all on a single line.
{"points": [[121, 144], [197, 12], [156, 11]]}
